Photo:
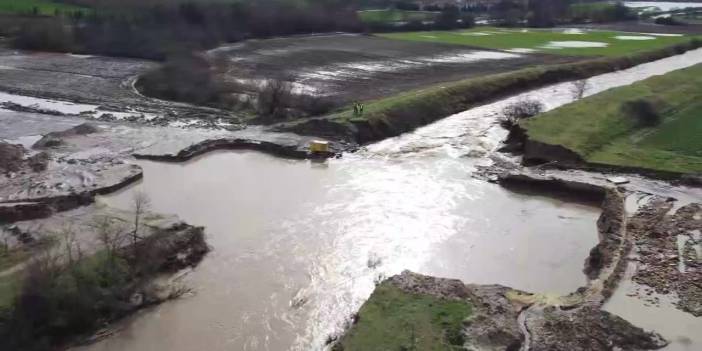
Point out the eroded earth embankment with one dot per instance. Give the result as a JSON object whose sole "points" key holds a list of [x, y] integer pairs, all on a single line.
{"points": [[662, 243]]}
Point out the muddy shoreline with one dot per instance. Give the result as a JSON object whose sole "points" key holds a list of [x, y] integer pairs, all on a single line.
{"points": [[509, 319]]}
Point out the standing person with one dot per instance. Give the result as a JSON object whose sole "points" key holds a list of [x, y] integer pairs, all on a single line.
{"points": [[360, 109]]}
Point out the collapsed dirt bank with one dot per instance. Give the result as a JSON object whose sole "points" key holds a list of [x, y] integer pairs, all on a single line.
{"points": [[668, 251], [506, 319], [667, 254]]}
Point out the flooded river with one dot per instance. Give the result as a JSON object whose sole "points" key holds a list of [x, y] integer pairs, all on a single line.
{"points": [[298, 245]]}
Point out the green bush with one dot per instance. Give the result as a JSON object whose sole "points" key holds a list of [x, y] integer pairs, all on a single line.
{"points": [[644, 111]]}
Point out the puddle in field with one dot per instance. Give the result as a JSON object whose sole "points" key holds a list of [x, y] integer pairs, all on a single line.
{"points": [[366, 69], [574, 44], [522, 50], [65, 107], [634, 37], [574, 31]]}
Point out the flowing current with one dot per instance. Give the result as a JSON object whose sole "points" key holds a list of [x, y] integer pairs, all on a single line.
{"points": [[298, 245]]}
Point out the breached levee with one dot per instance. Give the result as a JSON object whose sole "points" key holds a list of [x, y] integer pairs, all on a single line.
{"points": [[502, 318], [288, 149]]}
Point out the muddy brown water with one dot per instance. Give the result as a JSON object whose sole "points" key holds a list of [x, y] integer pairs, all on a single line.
{"points": [[298, 245]]}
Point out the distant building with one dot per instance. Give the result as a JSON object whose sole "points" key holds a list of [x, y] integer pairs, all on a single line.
{"points": [[441, 3], [460, 3]]}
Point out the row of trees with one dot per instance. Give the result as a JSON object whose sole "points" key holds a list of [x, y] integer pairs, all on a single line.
{"points": [[548, 13], [153, 31]]}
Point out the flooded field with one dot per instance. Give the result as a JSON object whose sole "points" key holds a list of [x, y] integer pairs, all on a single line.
{"points": [[349, 66], [662, 5]]}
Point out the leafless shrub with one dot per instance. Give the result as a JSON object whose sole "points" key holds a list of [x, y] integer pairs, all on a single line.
{"points": [[71, 246], [519, 110], [578, 88], [5, 239], [112, 236], [274, 96], [140, 203], [313, 105]]}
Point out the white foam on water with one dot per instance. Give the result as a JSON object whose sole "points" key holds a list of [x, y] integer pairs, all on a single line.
{"points": [[634, 37]]}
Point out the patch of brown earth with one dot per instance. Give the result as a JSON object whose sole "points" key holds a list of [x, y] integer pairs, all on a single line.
{"points": [[13, 159], [586, 328], [507, 319], [55, 139], [667, 247]]}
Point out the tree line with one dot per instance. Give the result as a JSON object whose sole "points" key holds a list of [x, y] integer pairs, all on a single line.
{"points": [[154, 30]]}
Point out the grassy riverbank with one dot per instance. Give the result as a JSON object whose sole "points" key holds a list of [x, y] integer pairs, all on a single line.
{"points": [[393, 15], [38, 7], [392, 116], [552, 41], [64, 293], [604, 129], [393, 319]]}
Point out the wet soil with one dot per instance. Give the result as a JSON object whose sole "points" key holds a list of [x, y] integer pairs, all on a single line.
{"points": [[349, 67], [506, 319], [668, 254], [103, 81]]}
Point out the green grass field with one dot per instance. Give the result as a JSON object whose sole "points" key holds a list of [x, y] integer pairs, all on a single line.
{"points": [[389, 16], [8, 290], [538, 40], [44, 7], [392, 319], [599, 129]]}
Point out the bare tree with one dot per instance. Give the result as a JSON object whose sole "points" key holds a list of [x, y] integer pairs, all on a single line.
{"points": [[141, 204], [71, 245], [579, 88], [274, 95], [112, 236], [5, 235]]}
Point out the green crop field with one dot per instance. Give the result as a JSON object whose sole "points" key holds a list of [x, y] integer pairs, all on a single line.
{"points": [[389, 16], [561, 41], [392, 319], [600, 129], [43, 7]]}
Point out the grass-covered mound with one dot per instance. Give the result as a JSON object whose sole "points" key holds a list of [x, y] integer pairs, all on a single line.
{"points": [[654, 124], [551, 41], [393, 319]]}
